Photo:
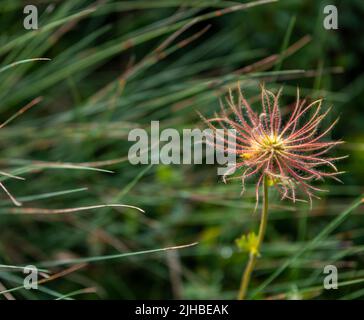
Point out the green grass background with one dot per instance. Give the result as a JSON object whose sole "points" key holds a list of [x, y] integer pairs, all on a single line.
{"points": [[114, 68]]}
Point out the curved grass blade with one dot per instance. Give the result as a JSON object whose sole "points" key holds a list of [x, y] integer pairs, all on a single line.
{"points": [[112, 256]]}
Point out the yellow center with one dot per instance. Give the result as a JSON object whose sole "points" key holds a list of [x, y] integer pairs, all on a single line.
{"points": [[270, 143]]}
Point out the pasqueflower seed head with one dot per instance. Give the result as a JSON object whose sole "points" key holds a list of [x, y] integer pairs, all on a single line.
{"points": [[289, 154]]}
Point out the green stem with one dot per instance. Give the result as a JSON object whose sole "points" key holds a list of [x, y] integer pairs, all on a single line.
{"points": [[253, 256]]}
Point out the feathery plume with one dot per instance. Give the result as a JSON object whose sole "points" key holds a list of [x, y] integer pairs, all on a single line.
{"points": [[289, 154]]}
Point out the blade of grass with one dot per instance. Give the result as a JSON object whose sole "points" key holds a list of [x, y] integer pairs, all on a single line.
{"points": [[111, 257]]}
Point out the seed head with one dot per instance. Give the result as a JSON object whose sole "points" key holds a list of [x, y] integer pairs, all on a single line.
{"points": [[291, 155]]}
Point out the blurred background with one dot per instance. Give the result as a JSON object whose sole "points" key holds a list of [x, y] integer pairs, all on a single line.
{"points": [[118, 65]]}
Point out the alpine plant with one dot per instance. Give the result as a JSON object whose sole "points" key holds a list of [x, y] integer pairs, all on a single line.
{"points": [[290, 154]]}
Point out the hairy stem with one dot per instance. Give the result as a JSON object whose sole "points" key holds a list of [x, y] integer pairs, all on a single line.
{"points": [[253, 256]]}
